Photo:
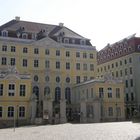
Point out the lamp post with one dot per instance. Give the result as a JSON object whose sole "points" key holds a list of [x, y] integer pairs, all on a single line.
{"points": [[17, 116], [116, 112]]}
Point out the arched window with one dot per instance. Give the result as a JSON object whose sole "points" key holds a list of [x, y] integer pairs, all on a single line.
{"points": [[57, 94], [68, 94], [4, 33], [36, 91], [24, 36], [46, 91]]}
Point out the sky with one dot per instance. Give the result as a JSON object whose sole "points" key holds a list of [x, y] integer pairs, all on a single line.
{"points": [[102, 21]]}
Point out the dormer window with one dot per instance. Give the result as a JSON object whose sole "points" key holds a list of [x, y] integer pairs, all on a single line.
{"points": [[25, 36], [73, 41], [82, 42], [66, 40], [59, 39], [4, 33]]}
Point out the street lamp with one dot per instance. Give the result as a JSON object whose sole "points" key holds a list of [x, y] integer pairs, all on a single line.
{"points": [[116, 112]]}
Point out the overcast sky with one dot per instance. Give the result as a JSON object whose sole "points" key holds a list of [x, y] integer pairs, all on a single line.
{"points": [[102, 21]]}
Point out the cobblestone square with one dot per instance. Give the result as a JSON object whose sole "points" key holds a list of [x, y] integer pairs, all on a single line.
{"points": [[94, 131]]}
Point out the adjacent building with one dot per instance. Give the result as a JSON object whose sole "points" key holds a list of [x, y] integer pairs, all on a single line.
{"points": [[122, 61], [99, 100]]}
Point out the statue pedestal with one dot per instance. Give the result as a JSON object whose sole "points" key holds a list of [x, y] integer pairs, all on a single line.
{"points": [[63, 111]]}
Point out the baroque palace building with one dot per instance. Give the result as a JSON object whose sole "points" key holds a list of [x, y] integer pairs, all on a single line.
{"points": [[55, 57], [122, 61]]}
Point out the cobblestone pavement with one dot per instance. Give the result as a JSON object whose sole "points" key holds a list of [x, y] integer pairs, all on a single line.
{"points": [[94, 131]]}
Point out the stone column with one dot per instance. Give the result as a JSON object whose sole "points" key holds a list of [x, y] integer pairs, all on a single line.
{"points": [[33, 107], [83, 118], [63, 111], [47, 109], [97, 109]]}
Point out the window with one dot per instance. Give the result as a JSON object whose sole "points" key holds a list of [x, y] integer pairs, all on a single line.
{"points": [[0, 111], [4, 48], [4, 33], [101, 92], [24, 36], [77, 79], [67, 79], [11, 90], [57, 65], [47, 64], [125, 61], [110, 111], [116, 73], [77, 66], [91, 67], [68, 94], [112, 65], [112, 74], [13, 49], [47, 79], [24, 63], [116, 64], [130, 60], [57, 79], [67, 65], [66, 40], [35, 63], [21, 111], [132, 96], [67, 54], [85, 78], [46, 91], [109, 92], [36, 51], [47, 52], [4, 61], [131, 70], [118, 111], [104, 68], [127, 97], [131, 82], [57, 52], [108, 66], [120, 73], [126, 71], [25, 50], [1, 89], [57, 94], [77, 54], [35, 78], [120, 63], [126, 83], [84, 55], [84, 66], [10, 111], [22, 90], [13, 61], [82, 42], [91, 55], [117, 92]]}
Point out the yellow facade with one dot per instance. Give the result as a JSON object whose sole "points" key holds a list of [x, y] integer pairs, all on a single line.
{"points": [[15, 99]]}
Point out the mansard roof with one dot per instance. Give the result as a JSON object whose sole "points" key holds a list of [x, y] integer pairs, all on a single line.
{"points": [[34, 27]]}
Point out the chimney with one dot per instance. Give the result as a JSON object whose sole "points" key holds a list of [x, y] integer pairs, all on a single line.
{"points": [[17, 18], [61, 24]]}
